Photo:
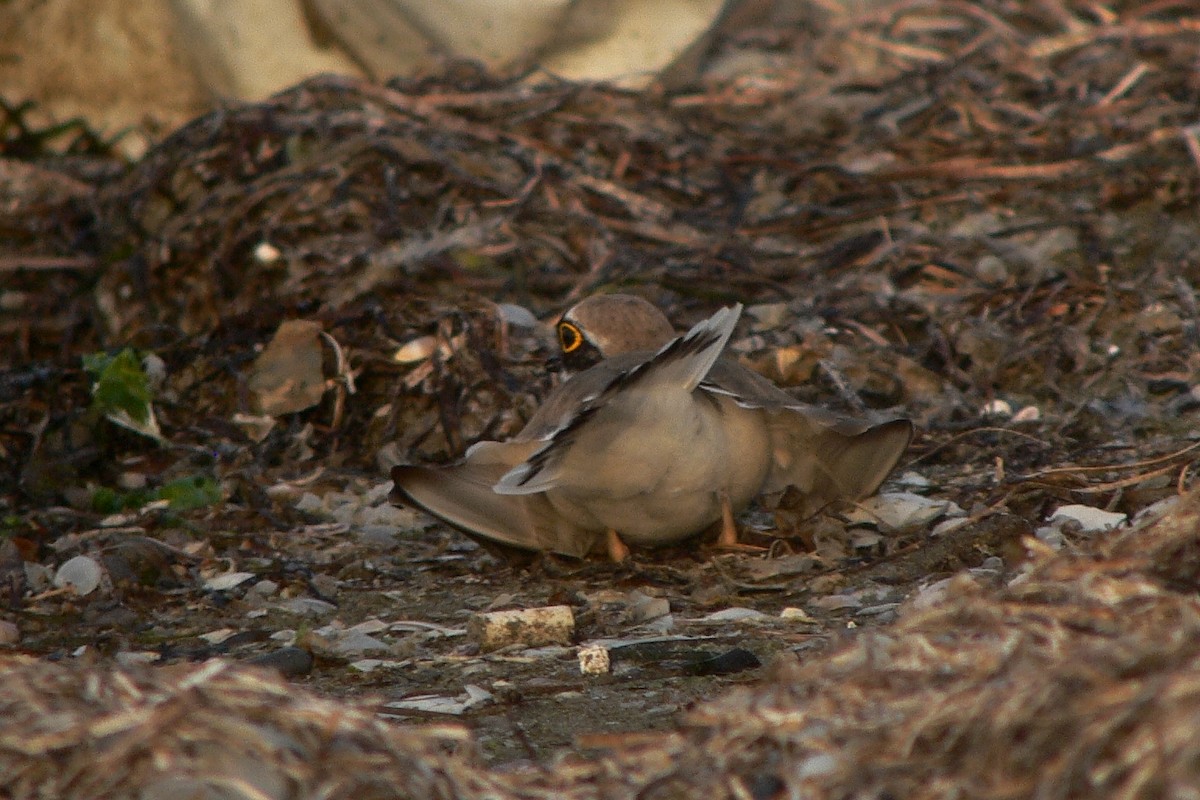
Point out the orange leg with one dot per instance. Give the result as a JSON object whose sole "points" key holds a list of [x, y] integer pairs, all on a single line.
{"points": [[618, 551], [729, 532]]}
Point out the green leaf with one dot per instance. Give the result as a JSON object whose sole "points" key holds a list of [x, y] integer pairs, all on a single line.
{"points": [[107, 501], [121, 384], [110, 501], [184, 494], [197, 491]]}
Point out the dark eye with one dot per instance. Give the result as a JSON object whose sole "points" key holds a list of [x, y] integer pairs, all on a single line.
{"points": [[570, 338]]}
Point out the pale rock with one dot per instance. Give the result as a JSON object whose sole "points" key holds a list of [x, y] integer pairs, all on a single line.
{"points": [[794, 614], [529, 627], [230, 580], [1089, 518], [594, 660]]}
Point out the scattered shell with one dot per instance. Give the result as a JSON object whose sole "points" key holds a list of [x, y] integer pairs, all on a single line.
{"points": [[430, 629], [643, 608], [81, 574], [255, 426], [309, 605], [373, 625], [902, 510], [949, 525], [863, 538], [264, 588], [218, 636], [442, 704], [837, 602], [1090, 519], [912, 480], [369, 665], [793, 614], [996, 408], [736, 614], [1028, 414], [517, 316], [355, 642], [266, 253], [230, 580], [416, 350]]}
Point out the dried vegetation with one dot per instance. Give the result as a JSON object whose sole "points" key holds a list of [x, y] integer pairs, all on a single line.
{"points": [[983, 213]]}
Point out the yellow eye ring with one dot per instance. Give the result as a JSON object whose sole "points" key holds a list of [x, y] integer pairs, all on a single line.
{"points": [[570, 338]]}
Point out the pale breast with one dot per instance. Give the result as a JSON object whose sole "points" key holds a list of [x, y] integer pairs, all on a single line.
{"points": [[660, 481]]}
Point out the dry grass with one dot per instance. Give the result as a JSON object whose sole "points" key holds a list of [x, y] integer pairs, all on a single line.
{"points": [[1078, 679]]}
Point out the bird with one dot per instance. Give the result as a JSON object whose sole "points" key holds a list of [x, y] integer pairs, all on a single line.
{"points": [[653, 439]]}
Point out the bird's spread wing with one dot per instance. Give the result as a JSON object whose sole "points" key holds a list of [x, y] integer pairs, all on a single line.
{"points": [[826, 455], [461, 496], [680, 365]]}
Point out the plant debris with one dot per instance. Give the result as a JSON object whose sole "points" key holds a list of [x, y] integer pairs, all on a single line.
{"points": [[984, 215]]}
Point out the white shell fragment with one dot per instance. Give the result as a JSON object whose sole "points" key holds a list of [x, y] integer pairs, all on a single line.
{"points": [[529, 627], [996, 408], [357, 643], [594, 660], [442, 704], [308, 605], [735, 614], [1090, 519], [643, 608], [416, 350], [218, 636], [911, 479], [1028, 414], [369, 665], [256, 426], [81, 574], [230, 580], [517, 316], [266, 253], [902, 510]]}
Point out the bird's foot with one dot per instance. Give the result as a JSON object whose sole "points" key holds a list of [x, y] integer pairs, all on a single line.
{"points": [[618, 551]]}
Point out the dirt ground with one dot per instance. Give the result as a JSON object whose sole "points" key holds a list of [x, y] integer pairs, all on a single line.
{"points": [[983, 217]]}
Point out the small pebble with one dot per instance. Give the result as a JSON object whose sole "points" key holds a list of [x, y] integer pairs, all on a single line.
{"points": [[594, 660], [292, 662]]}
